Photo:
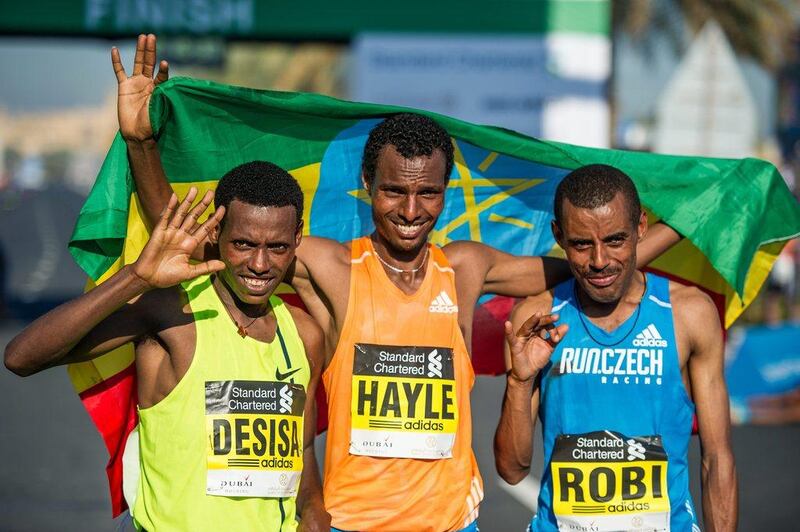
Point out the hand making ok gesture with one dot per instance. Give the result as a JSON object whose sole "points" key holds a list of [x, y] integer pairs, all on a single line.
{"points": [[533, 344]]}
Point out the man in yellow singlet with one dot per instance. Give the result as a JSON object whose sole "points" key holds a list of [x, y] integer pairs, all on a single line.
{"points": [[397, 316], [226, 371]]}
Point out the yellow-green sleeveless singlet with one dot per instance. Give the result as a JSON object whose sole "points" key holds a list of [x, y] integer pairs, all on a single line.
{"points": [[224, 450]]}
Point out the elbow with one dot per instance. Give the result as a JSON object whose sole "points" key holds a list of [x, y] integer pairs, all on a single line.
{"points": [[511, 474], [15, 361]]}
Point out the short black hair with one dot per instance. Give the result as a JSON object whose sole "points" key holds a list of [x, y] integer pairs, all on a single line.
{"points": [[260, 183], [595, 185], [412, 135]]}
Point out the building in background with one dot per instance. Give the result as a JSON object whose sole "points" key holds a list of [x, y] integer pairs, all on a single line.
{"points": [[549, 83], [707, 108]]}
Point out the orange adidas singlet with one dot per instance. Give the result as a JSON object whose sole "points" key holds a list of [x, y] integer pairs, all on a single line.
{"points": [[399, 450]]}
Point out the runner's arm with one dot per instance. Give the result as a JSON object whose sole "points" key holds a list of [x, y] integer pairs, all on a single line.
{"points": [[718, 473], [310, 506], [516, 276], [133, 114], [513, 441], [82, 329], [100, 320]]}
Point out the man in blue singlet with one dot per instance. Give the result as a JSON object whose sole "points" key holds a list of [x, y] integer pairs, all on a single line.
{"points": [[616, 394]]}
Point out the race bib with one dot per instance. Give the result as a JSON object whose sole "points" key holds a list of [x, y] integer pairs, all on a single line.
{"points": [[255, 438], [606, 481], [403, 402]]}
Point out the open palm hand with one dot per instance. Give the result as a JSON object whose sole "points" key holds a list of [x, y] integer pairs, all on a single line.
{"points": [[165, 260], [133, 93]]}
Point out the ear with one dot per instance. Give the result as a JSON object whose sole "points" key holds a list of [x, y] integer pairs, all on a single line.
{"points": [[298, 234], [365, 183], [641, 227], [557, 234], [213, 235]]}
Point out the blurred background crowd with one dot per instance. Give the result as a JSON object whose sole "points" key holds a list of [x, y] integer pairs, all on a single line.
{"points": [[690, 77]]}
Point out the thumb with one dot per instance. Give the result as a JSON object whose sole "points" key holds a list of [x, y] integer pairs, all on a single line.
{"points": [[509, 330], [557, 334], [204, 268]]}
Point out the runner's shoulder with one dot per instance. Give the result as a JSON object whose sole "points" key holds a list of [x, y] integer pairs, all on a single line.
{"points": [[309, 330], [324, 251], [692, 307], [466, 253], [303, 320]]}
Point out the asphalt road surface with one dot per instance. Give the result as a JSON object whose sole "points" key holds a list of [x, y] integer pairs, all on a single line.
{"points": [[53, 478]]}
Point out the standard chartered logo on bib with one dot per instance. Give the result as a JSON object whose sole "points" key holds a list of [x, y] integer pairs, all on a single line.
{"points": [[403, 401], [435, 364], [286, 399]]}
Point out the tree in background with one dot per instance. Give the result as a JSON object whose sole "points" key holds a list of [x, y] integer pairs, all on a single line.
{"points": [[758, 29]]}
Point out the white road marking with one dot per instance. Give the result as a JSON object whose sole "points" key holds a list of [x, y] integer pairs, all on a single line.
{"points": [[526, 492]]}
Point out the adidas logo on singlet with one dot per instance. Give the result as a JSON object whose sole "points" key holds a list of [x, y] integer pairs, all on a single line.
{"points": [[649, 337], [443, 304]]}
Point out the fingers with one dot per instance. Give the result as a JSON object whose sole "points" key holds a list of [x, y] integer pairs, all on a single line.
{"points": [[138, 61], [204, 231], [149, 55], [537, 324], [163, 72], [166, 214], [511, 338], [557, 334], [190, 224], [116, 64], [530, 325], [180, 214], [204, 268]]}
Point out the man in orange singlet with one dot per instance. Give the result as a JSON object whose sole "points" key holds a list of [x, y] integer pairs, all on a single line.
{"points": [[397, 315]]}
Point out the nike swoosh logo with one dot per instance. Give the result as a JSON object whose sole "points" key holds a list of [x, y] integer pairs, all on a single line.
{"points": [[283, 376]]}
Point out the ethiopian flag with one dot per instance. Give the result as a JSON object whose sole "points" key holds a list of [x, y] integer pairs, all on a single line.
{"points": [[736, 215]]}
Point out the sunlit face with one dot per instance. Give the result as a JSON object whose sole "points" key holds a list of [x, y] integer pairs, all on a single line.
{"points": [[407, 198], [257, 245], [600, 245]]}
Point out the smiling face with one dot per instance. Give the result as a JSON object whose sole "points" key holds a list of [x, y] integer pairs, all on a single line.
{"points": [[407, 199], [257, 245], [600, 244]]}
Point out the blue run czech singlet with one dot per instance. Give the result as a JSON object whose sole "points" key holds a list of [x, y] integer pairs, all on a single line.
{"points": [[616, 421]]}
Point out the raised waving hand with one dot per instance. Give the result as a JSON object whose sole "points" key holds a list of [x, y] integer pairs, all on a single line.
{"points": [[133, 92], [165, 260], [533, 344]]}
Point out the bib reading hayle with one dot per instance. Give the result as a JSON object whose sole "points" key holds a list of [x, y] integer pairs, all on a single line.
{"points": [[403, 402]]}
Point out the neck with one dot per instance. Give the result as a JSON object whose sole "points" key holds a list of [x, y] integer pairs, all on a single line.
{"points": [[632, 295], [407, 260], [230, 301]]}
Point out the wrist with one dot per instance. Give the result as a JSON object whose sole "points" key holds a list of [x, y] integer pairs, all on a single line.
{"points": [[514, 380], [138, 281], [314, 511], [142, 145]]}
